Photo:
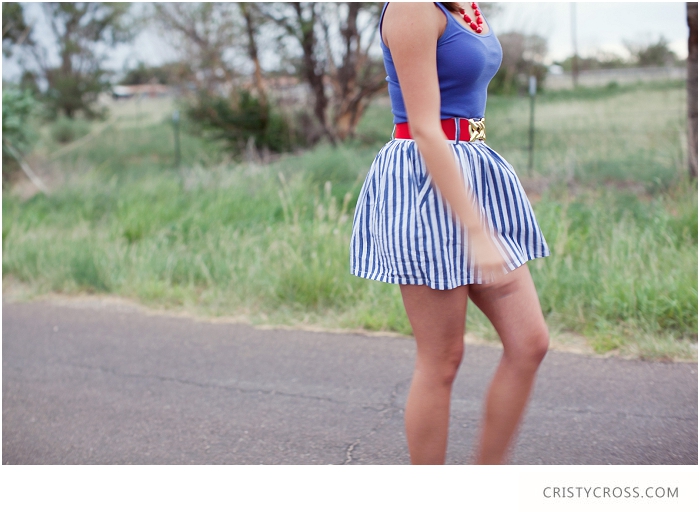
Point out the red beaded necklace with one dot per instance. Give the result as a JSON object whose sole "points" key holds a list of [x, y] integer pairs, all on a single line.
{"points": [[477, 25]]}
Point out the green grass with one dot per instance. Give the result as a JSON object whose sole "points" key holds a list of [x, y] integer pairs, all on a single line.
{"points": [[271, 241], [626, 135], [627, 269]]}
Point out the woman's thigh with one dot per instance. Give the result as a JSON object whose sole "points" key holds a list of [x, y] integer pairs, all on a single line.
{"points": [[437, 318], [513, 307]]}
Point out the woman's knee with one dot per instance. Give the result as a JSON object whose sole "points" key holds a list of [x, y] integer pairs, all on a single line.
{"points": [[531, 348], [539, 344], [441, 365]]}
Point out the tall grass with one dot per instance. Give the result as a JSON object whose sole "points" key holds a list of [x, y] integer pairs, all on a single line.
{"points": [[279, 247], [272, 241], [597, 136], [622, 265]]}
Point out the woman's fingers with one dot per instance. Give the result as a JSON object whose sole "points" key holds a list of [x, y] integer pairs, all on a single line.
{"points": [[487, 256]]}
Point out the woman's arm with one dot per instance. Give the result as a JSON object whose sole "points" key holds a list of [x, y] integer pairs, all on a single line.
{"points": [[411, 31]]}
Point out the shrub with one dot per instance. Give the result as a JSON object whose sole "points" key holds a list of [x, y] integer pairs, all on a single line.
{"points": [[65, 130], [17, 107], [243, 117]]}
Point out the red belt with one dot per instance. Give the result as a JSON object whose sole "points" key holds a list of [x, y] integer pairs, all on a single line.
{"points": [[470, 129]]}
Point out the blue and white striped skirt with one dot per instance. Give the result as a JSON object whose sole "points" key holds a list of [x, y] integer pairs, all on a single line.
{"points": [[405, 233]]}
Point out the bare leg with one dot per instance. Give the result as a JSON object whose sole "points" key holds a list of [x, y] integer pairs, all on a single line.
{"points": [[437, 319], [514, 310]]}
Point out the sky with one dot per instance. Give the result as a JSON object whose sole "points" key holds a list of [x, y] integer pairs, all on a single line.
{"points": [[599, 26]]}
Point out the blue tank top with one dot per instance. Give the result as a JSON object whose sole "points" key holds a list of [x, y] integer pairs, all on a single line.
{"points": [[466, 63]]}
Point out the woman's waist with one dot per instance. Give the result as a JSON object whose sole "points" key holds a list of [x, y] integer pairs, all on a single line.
{"points": [[458, 129]]}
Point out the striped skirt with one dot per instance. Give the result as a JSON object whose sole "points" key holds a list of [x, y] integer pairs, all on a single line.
{"points": [[405, 233]]}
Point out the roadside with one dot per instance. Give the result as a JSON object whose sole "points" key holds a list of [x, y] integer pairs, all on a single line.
{"points": [[15, 292]]}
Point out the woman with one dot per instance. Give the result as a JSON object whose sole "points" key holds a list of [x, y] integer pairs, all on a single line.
{"points": [[449, 220]]}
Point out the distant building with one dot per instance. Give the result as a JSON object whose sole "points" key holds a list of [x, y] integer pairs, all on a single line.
{"points": [[555, 70], [286, 90]]}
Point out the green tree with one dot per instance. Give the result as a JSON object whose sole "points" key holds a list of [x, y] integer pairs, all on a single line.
{"points": [[15, 31], [601, 60], [334, 40], [208, 36], [167, 73], [80, 29], [652, 54], [204, 34]]}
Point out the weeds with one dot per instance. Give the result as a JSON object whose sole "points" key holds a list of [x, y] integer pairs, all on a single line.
{"points": [[272, 241]]}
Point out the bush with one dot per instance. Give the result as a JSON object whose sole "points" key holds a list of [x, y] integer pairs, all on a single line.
{"points": [[65, 130], [239, 119], [167, 73], [73, 92], [17, 107]]}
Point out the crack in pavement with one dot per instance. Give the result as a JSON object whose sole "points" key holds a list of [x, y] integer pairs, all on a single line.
{"points": [[348, 452], [618, 414], [385, 411], [384, 415], [113, 371]]}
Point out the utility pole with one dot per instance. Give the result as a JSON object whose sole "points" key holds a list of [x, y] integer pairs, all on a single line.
{"points": [[574, 61], [692, 88]]}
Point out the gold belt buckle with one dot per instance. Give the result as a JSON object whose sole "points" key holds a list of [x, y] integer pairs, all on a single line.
{"points": [[477, 129]]}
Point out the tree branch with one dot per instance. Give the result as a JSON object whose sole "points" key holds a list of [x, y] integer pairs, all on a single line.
{"points": [[25, 167]]}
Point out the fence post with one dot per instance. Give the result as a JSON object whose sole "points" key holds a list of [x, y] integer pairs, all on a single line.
{"points": [[176, 130], [532, 91]]}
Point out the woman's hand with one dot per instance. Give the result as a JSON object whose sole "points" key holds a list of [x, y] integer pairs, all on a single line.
{"points": [[488, 258]]}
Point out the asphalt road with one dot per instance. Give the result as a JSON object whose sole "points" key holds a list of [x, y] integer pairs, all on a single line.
{"points": [[118, 386]]}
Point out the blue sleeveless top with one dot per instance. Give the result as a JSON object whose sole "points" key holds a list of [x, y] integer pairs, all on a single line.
{"points": [[466, 63]]}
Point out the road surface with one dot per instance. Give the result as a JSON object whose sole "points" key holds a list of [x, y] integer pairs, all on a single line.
{"points": [[85, 385]]}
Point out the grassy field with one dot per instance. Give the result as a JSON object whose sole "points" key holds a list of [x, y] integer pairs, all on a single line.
{"points": [[271, 241]]}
